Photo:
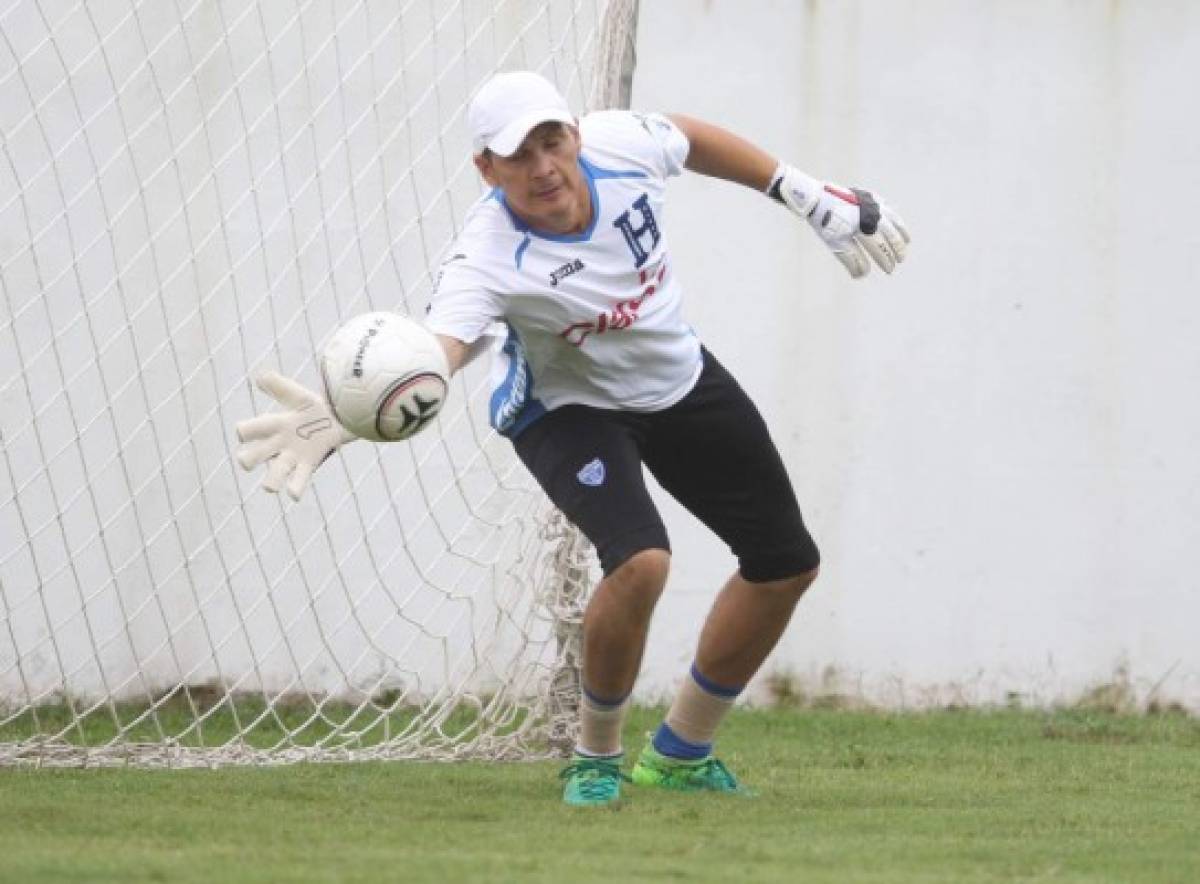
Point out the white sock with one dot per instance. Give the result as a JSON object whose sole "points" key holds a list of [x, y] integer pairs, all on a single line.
{"points": [[699, 708], [600, 725]]}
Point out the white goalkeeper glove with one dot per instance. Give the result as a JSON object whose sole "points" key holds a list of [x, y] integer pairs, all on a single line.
{"points": [[296, 441], [853, 223]]}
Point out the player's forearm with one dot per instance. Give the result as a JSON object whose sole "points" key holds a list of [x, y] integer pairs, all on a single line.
{"points": [[457, 353], [721, 154]]}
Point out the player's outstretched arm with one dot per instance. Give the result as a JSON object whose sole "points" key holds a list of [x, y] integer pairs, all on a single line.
{"points": [[855, 224]]}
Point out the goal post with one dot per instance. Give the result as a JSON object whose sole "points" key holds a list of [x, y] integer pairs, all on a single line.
{"points": [[197, 190]]}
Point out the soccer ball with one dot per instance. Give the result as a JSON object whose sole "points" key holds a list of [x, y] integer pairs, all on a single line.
{"points": [[385, 376]]}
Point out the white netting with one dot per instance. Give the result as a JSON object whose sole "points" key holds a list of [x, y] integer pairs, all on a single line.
{"points": [[192, 191]]}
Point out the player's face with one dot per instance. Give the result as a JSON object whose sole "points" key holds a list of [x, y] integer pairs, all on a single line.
{"points": [[542, 181]]}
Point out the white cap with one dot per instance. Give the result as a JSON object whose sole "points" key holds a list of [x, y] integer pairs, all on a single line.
{"points": [[508, 106]]}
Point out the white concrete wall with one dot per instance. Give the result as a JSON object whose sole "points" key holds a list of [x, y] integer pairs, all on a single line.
{"points": [[996, 448]]}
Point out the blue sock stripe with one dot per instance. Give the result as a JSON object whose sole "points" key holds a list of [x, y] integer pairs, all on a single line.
{"points": [[667, 742], [602, 702], [712, 687]]}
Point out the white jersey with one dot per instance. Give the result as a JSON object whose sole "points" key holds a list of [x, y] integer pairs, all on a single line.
{"points": [[592, 318]]}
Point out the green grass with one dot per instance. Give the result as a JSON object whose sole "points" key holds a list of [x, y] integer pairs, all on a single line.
{"points": [[843, 797]]}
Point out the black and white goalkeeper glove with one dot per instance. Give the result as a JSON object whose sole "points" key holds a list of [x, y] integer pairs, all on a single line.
{"points": [[853, 223], [294, 442]]}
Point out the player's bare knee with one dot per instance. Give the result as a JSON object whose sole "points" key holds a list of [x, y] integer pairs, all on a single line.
{"points": [[802, 581], [643, 574]]}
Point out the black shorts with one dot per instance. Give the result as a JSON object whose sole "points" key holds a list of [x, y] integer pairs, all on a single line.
{"points": [[711, 451]]}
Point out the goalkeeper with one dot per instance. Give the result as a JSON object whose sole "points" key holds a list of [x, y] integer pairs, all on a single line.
{"points": [[600, 376]]}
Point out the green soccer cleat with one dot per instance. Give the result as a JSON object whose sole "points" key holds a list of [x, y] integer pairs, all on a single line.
{"points": [[703, 775], [592, 782]]}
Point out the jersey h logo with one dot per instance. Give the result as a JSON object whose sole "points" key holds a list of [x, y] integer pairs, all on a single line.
{"points": [[634, 235]]}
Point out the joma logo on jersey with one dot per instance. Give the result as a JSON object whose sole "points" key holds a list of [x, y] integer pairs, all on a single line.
{"points": [[623, 315], [557, 276], [642, 239]]}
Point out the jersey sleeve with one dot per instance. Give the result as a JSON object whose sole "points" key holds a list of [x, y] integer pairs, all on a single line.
{"points": [[463, 305], [649, 140], [669, 139]]}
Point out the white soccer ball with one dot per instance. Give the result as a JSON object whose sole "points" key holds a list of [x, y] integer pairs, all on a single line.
{"points": [[385, 376]]}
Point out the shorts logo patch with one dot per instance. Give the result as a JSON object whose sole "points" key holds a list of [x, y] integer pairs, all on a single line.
{"points": [[592, 474]]}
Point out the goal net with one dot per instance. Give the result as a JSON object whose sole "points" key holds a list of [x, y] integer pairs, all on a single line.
{"points": [[192, 191]]}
